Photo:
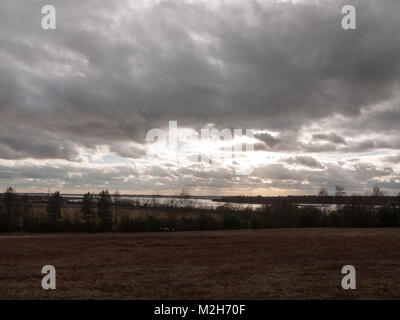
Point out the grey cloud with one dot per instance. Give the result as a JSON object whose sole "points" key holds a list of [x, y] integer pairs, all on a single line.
{"points": [[128, 151], [359, 178], [370, 144], [392, 159], [332, 137], [315, 148], [382, 122], [268, 139], [276, 172], [20, 142], [111, 72], [119, 82], [305, 161]]}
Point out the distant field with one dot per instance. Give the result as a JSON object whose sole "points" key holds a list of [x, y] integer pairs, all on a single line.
{"points": [[243, 264]]}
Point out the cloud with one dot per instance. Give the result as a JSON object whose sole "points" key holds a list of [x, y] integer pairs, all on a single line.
{"points": [[268, 139], [392, 159], [332, 137], [188, 62], [371, 145], [20, 142], [309, 162], [115, 69]]}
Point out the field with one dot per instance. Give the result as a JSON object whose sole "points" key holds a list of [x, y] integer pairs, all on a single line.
{"points": [[242, 264]]}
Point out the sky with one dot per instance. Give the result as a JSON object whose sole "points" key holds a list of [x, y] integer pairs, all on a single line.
{"points": [[79, 104]]}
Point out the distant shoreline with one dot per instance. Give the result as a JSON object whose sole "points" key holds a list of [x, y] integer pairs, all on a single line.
{"points": [[305, 199], [345, 200]]}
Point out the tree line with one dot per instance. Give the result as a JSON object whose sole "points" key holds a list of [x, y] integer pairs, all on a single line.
{"points": [[374, 197], [17, 213], [96, 213]]}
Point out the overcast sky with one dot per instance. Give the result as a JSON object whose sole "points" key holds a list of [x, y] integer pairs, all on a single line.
{"points": [[76, 103]]}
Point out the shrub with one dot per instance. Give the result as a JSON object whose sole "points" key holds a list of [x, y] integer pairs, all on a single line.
{"points": [[231, 221], [152, 225], [309, 217], [388, 217], [257, 221], [335, 220], [206, 222]]}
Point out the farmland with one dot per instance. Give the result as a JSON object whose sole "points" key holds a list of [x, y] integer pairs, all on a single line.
{"points": [[229, 264]]}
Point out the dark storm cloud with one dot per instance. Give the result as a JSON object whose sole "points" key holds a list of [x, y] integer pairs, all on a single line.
{"points": [[114, 69], [18, 142], [268, 139], [266, 65]]}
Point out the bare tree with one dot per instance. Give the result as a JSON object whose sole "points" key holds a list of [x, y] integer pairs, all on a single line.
{"points": [[323, 193], [377, 192], [184, 196]]}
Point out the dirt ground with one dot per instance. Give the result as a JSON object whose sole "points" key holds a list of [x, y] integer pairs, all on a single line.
{"points": [[243, 264]]}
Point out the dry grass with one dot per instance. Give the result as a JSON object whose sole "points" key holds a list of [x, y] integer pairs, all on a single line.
{"points": [[245, 264]]}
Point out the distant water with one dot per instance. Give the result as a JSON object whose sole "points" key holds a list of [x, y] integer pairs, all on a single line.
{"points": [[205, 203], [197, 203], [327, 208], [190, 202]]}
